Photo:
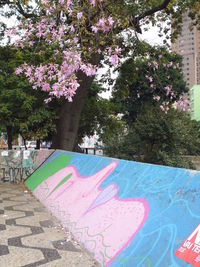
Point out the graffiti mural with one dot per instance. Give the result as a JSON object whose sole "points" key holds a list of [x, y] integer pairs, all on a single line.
{"points": [[16, 165], [125, 213]]}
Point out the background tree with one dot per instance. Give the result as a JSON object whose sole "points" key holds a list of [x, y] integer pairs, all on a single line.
{"points": [[154, 77], [98, 116], [22, 110], [145, 93], [157, 137]]}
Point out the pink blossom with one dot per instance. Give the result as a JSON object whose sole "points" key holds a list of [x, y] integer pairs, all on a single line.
{"points": [[114, 60], [156, 98], [69, 2], [48, 100], [93, 3], [94, 29], [162, 107], [155, 64], [45, 87], [118, 50], [18, 71], [168, 90], [110, 21], [79, 15], [72, 29], [11, 32], [150, 79]]}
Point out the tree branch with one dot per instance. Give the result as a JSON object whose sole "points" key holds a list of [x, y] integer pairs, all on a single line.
{"points": [[22, 12], [136, 20]]}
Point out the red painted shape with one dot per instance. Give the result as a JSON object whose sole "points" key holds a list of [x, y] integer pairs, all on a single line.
{"points": [[189, 251]]}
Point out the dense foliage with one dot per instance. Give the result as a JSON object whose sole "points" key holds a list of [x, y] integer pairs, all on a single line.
{"points": [[156, 137], [22, 110], [154, 77], [98, 116]]}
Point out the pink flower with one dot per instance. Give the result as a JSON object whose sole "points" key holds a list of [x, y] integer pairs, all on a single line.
{"points": [[114, 60], [10, 32], [155, 64], [162, 107], [151, 79], [48, 100], [94, 29], [72, 29], [118, 50], [92, 2], [45, 87], [156, 98], [18, 71], [79, 15], [110, 21], [69, 2]]}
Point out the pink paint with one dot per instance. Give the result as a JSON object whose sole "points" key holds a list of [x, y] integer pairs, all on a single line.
{"points": [[108, 227], [42, 155]]}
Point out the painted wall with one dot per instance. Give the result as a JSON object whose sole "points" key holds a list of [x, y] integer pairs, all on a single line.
{"points": [[127, 214], [17, 165], [195, 102]]}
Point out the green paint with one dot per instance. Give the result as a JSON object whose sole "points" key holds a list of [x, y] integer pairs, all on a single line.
{"points": [[47, 170], [194, 102], [147, 260], [62, 182]]}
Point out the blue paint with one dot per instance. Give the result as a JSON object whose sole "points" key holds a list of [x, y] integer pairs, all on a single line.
{"points": [[173, 196]]}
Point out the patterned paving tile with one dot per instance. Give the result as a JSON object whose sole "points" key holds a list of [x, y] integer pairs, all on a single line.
{"points": [[30, 236], [4, 250]]}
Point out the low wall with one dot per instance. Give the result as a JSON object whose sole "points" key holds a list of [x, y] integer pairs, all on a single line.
{"points": [[17, 165], [195, 161], [128, 214]]}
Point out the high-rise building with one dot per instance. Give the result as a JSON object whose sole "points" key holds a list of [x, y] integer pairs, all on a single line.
{"points": [[188, 46]]}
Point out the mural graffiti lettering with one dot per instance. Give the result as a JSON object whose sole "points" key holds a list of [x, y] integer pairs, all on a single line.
{"points": [[189, 251], [14, 174], [17, 165]]}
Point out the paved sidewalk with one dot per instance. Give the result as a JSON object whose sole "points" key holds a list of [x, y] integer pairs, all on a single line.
{"points": [[30, 236]]}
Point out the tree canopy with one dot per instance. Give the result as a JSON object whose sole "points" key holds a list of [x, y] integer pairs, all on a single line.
{"points": [[157, 137], [67, 41], [22, 110], [154, 77]]}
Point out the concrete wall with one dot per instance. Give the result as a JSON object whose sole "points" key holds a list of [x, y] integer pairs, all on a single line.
{"points": [[17, 165], [128, 214], [195, 161]]}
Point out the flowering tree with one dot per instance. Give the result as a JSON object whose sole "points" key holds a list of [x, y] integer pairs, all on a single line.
{"points": [[72, 37], [154, 78]]}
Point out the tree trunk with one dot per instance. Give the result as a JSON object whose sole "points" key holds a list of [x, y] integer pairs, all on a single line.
{"points": [[9, 134], [67, 127], [38, 144], [68, 124]]}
